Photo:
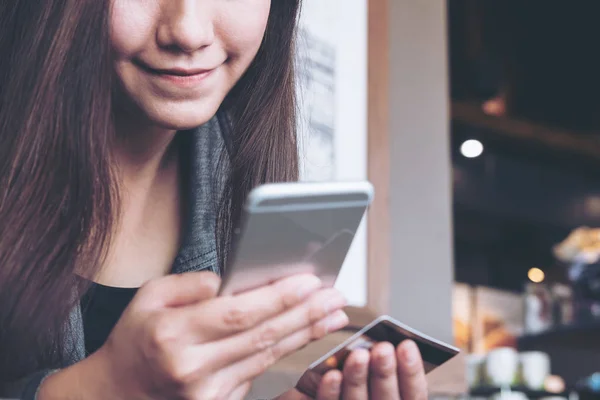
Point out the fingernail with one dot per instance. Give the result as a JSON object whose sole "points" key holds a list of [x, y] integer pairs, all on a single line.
{"points": [[410, 353], [386, 361], [336, 321], [386, 356], [335, 303], [336, 380], [361, 359], [335, 383], [309, 287]]}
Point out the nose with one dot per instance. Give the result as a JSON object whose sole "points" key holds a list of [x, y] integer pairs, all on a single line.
{"points": [[187, 25]]}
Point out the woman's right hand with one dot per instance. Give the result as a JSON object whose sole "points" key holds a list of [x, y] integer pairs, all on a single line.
{"points": [[178, 340]]}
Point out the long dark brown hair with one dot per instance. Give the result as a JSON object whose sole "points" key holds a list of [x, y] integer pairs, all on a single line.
{"points": [[57, 185]]}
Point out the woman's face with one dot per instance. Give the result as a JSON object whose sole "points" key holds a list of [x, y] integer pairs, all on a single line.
{"points": [[176, 60]]}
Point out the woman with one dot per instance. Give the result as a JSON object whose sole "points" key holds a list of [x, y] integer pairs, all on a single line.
{"points": [[131, 132]]}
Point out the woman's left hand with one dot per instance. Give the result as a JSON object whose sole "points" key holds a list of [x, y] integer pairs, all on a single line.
{"points": [[383, 373]]}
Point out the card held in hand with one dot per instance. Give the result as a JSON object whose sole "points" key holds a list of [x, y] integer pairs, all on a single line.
{"points": [[382, 329]]}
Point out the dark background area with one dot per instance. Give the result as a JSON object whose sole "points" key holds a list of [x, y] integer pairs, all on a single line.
{"points": [[539, 175]]}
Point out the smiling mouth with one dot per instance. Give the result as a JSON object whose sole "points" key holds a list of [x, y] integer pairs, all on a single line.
{"points": [[178, 76], [183, 72]]}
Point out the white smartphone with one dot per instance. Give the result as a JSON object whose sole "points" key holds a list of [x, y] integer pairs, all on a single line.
{"points": [[294, 228]]}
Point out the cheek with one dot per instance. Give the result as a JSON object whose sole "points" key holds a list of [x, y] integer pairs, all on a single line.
{"points": [[242, 27], [132, 24]]}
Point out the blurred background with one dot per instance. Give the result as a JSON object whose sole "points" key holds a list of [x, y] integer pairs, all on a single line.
{"points": [[478, 122], [525, 143]]}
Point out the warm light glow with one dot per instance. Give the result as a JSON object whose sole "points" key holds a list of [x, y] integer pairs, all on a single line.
{"points": [[471, 148], [536, 275]]}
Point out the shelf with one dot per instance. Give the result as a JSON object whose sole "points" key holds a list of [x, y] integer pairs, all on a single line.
{"points": [[583, 335], [532, 394]]}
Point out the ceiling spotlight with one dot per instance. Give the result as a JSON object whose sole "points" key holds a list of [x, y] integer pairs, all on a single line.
{"points": [[536, 275], [471, 148]]}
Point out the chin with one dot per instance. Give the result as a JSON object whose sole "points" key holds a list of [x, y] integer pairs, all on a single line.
{"points": [[182, 115]]}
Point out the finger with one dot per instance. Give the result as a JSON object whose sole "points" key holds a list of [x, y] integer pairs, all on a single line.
{"points": [[293, 394], [383, 375], [241, 391], [356, 373], [321, 315], [249, 368], [411, 375], [331, 386], [199, 391], [178, 290], [229, 315]]}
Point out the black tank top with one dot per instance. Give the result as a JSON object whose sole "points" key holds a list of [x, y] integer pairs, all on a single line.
{"points": [[101, 308]]}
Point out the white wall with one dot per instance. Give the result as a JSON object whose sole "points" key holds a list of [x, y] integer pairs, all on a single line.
{"points": [[344, 23]]}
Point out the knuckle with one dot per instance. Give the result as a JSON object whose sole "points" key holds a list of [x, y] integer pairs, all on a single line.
{"points": [[318, 331], [238, 318], [177, 375], [177, 372], [210, 280], [357, 367], [384, 372], [358, 377], [269, 357], [356, 381], [316, 312], [384, 364], [266, 337], [285, 298], [160, 332]]}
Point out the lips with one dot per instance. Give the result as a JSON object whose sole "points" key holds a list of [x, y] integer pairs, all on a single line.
{"points": [[183, 72], [177, 78]]}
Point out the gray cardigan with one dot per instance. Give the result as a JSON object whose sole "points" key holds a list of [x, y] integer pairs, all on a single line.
{"points": [[198, 250]]}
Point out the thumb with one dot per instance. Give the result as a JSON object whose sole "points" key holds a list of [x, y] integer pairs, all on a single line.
{"points": [[179, 289]]}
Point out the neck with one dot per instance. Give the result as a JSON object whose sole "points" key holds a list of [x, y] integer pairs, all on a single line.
{"points": [[145, 240], [143, 152]]}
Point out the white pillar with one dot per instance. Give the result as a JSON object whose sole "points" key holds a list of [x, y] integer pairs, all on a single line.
{"points": [[420, 203]]}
